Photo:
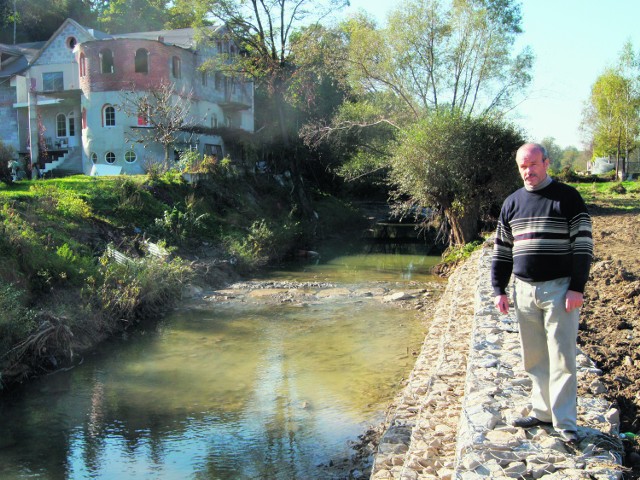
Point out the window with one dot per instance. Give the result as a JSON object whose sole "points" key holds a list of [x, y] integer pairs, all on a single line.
{"points": [[52, 81], [84, 118], [205, 78], [61, 125], [109, 114], [106, 61], [218, 80], [83, 65], [175, 67], [71, 118], [213, 150], [94, 157], [110, 157], [71, 43], [142, 61], [130, 156], [143, 116]]}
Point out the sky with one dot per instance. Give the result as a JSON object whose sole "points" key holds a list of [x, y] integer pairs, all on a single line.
{"points": [[573, 41]]}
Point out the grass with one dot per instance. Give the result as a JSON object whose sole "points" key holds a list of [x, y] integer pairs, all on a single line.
{"points": [[617, 196]]}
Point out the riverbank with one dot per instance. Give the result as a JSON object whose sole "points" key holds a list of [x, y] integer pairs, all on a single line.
{"points": [[452, 419]]}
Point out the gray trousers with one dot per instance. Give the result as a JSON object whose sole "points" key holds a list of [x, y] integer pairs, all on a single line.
{"points": [[548, 336]]}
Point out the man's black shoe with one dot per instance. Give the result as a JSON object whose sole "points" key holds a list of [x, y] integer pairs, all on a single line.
{"points": [[569, 437], [528, 422]]}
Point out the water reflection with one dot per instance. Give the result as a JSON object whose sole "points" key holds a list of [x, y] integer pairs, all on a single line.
{"points": [[235, 391]]}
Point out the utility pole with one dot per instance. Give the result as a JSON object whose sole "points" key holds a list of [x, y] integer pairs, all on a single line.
{"points": [[15, 19]]}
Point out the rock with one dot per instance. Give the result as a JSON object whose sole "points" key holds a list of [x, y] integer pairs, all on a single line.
{"points": [[396, 297]]}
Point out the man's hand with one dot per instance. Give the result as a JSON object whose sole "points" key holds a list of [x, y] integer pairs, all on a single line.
{"points": [[502, 303], [573, 300]]}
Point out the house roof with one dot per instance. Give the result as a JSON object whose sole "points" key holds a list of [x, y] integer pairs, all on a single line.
{"points": [[16, 58], [182, 37]]}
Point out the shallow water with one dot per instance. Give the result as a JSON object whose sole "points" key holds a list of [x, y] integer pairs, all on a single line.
{"points": [[228, 391]]}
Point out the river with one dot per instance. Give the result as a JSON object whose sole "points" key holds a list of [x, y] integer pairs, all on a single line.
{"points": [[254, 382]]}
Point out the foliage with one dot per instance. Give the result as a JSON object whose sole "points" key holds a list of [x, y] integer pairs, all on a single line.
{"points": [[129, 291], [146, 15], [263, 242], [459, 164], [441, 54], [612, 115], [17, 320], [180, 223], [459, 253], [7, 155]]}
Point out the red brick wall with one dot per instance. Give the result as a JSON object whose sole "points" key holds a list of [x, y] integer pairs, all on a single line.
{"points": [[125, 76]]}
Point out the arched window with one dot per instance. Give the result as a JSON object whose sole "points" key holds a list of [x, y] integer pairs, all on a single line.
{"points": [[83, 65], [110, 157], [175, 67], [130, 156], [109, 116], [94, 157], [142, 61], [106, 61], [61, 125]]}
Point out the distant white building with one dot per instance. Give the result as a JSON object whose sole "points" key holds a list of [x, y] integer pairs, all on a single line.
{"points": [[58, 99]]}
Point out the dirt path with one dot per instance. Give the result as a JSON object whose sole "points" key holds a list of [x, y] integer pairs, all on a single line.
{"points": [[610, 321]]}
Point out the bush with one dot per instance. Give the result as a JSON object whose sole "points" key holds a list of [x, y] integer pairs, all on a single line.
{"points": [[618, 188], [137, 289], [16, 321], [7, 154]]}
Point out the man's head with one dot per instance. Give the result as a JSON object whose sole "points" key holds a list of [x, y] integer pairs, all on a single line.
{"points": [[533, 163]]}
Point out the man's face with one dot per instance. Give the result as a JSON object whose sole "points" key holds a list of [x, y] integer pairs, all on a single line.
{"points": [[533, 169]]}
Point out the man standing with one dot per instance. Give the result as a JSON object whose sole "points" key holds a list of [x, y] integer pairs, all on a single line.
{"points": [[544, 239]]}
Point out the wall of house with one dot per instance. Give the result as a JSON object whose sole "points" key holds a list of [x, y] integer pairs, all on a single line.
{"points": [[8, 117]]}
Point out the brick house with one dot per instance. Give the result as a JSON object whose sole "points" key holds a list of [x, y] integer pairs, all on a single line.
{"points": [[59, 99]]}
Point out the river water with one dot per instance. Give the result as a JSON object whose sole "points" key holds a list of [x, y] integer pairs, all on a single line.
{"points": [[226, 390]]}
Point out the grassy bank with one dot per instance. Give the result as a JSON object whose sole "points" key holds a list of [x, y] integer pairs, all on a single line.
{"points": [[62, 288]]}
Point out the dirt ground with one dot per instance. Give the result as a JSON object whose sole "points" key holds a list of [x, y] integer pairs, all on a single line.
{"points": [[610, 320]]}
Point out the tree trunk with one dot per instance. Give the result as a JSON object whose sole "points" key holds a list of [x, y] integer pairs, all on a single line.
{"points": [[464, 225]]}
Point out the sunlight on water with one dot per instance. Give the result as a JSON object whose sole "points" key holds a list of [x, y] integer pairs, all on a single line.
{"points": [[233, 391]]}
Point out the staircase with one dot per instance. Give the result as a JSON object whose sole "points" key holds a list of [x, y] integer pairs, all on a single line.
{"points": [[69, 163]]}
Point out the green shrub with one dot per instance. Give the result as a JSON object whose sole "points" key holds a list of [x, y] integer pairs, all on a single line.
{"points": [[263, 242], [16, 321], [181, 222], [139, 288]]}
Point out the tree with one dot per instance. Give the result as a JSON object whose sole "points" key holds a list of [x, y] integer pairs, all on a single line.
{"points": [[612, 116], [459, 164], [442, 54], [122, 16], [162, 112], [432, 56], [554, 151], [37, 20], [263, 29]]}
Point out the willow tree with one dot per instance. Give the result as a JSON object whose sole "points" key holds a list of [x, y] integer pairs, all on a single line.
{"points": [[442, 54], [460, 163], [456, 55]]}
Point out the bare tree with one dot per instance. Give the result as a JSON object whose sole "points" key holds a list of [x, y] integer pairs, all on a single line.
{"points": [[162, 113]]}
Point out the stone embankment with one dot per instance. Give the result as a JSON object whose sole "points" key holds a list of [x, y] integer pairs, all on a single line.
{"points": [[452, 420]]}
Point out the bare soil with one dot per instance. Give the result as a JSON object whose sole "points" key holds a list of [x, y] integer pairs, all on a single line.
{"points": [[610, 320]]}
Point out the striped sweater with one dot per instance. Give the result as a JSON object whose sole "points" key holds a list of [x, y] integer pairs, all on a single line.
{"points": [[543, 235]]}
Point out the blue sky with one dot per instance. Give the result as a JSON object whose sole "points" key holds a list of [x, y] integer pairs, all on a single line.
{"points": [[573, 42]]}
